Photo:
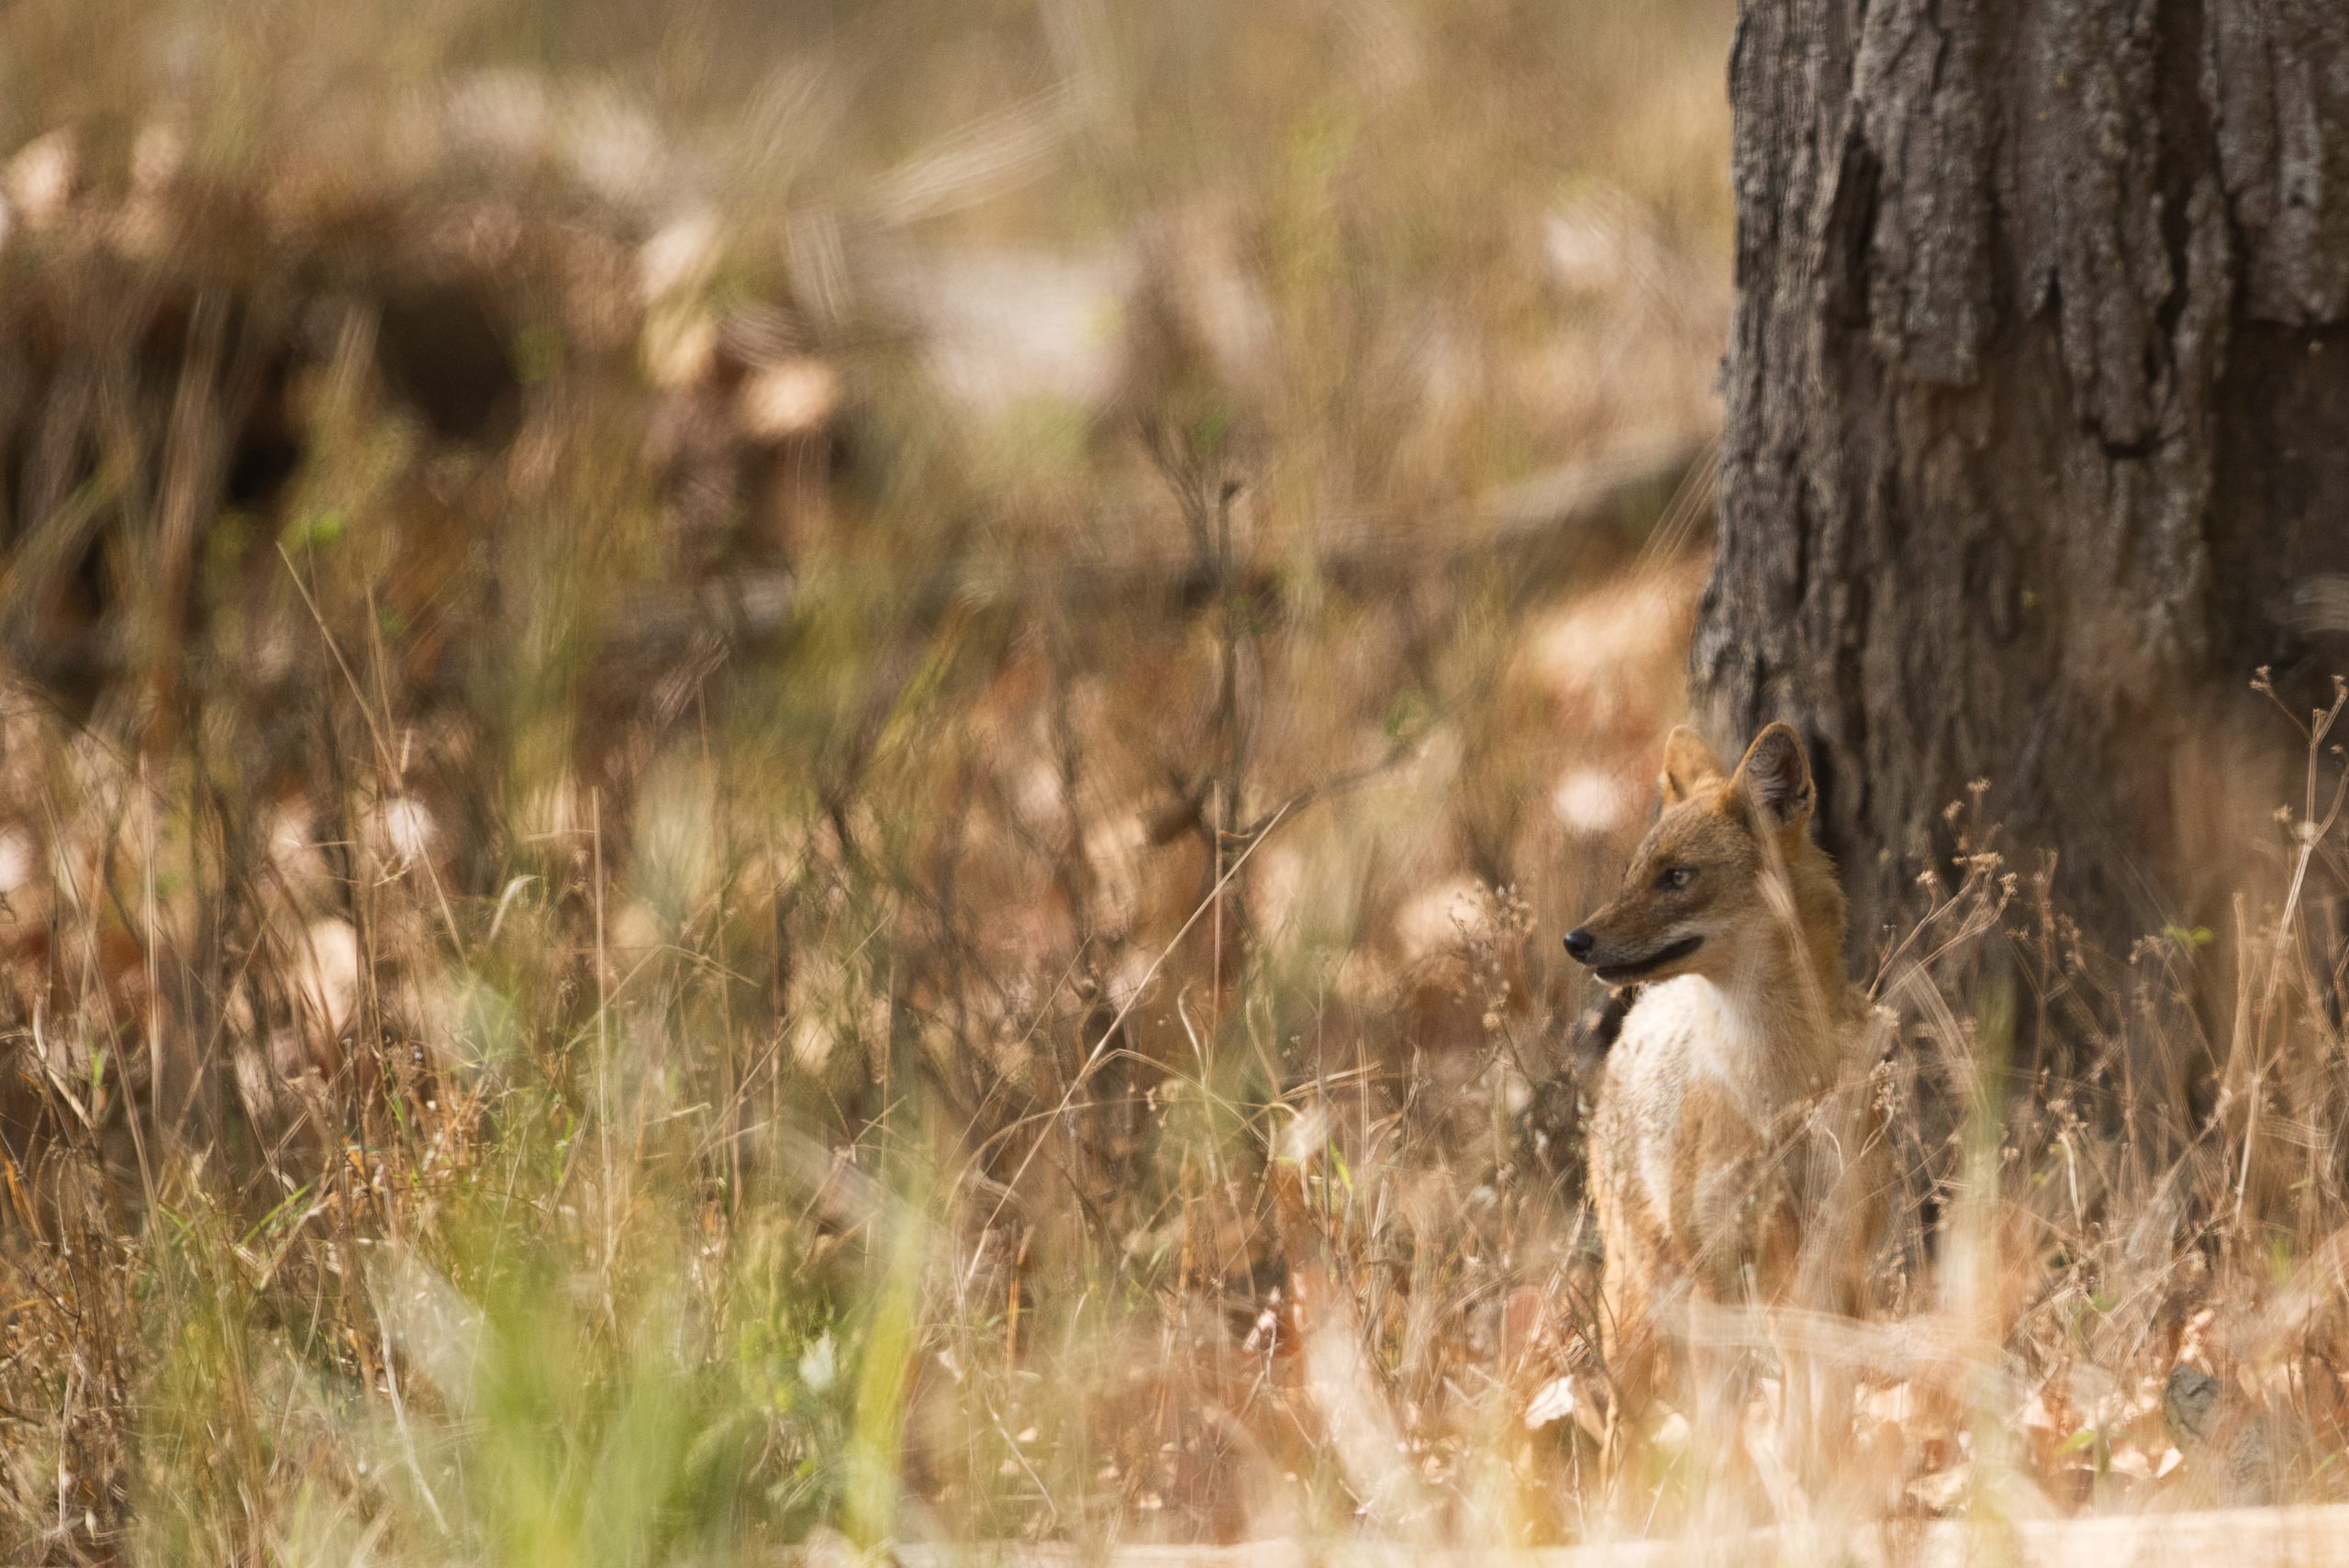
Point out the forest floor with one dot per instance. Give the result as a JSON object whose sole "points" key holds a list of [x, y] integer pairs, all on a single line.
{"points": [[779, 780]]}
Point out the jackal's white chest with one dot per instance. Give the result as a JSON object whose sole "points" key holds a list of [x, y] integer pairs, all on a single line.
{"points": [[1677, 1032]]}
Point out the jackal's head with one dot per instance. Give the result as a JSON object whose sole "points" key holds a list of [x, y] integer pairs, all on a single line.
{"points": [[1729, 865]]}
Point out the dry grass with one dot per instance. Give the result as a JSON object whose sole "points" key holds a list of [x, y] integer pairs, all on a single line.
{"points": [[767, 774]]}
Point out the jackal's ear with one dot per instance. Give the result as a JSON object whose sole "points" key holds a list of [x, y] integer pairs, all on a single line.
{"points": [[1777, 777], [1688, 763]]}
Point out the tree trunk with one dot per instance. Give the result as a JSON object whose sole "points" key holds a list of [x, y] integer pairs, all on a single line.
{"points": [[2038, 429]]}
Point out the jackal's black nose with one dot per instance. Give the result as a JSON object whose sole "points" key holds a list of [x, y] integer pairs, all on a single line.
{"points": [[1579, 945]]}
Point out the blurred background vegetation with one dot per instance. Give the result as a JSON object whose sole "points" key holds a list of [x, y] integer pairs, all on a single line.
{"points": [[716, 713], [782, 773]]}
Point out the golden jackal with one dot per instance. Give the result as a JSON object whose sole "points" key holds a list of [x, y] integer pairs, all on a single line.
{"points": [[1736, 1157]]}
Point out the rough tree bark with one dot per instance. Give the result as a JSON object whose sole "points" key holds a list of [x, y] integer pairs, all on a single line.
{"points": [[2038, 426]]}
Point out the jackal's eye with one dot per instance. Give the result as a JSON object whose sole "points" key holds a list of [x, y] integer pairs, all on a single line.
{"points": [[1674, 876]]}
